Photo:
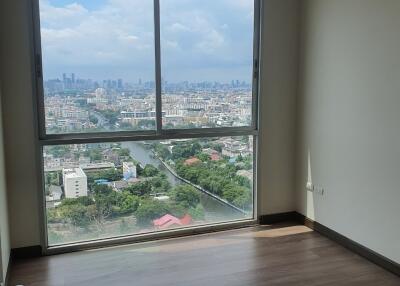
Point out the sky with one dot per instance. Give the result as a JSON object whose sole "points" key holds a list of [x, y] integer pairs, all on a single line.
{"points": [[201, 40]]}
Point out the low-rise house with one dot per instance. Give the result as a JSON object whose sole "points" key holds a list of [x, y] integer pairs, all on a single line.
{"points": [[192, 161], [168, 221]]}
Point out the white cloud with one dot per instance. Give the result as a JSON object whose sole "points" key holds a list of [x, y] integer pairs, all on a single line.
{"points": [[119, 35], [211, 42], [57, 16], [178, 27], [110, 35]]}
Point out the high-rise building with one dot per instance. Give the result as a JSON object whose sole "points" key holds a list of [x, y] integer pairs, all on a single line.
{"points": [[75, 183]]}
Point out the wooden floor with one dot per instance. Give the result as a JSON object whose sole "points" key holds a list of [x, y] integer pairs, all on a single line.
{"points": [[284, 255]]}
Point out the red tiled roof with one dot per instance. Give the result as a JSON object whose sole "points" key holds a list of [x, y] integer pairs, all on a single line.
{"points": [[186, 220], [192, 161], [169, 220], [215, 157]]}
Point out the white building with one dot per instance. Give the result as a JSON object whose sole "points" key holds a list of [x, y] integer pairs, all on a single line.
{"points": [[129, 170], [75, 183]]}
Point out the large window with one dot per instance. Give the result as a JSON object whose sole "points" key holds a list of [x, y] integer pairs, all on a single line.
{"points": [[207, 63], [147, 115]]}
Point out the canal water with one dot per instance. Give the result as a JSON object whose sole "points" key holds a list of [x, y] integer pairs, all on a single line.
{"points": [[215, 211]]}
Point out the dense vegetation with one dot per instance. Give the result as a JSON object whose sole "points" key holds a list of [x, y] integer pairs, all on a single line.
{"points": [[218, 177], [137, 199]]}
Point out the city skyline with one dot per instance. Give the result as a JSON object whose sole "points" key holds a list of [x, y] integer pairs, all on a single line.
{"points": [[74, 77]]}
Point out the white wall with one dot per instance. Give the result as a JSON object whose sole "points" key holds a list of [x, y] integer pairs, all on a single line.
{"points": [[18, 124], [279, 68], [4, 226], [349, 119], [4, 230], [278, 107]]}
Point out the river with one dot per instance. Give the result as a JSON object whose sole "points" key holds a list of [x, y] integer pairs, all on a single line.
{"points": [[215, 211]]}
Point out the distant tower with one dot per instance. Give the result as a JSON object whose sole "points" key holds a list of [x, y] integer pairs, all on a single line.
{"points": [[73, 77], [64, 78]]}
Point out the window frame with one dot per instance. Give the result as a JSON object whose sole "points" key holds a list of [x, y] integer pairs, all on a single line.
{"points": [[44, 139]]}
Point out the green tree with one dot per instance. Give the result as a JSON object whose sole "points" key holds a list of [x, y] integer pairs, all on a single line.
{"points": [[186, 195], [243, 200], [76, 214], [139, 169], [85, 201], [150, 171], [185, 150], [177, 210], [232, 192], [140, 188], [197, 212], [102, 208], [111, 175], [53, 216], [160, 184], [127, 203], [149, 210], [93, 119], [243, 181], [162, 151], [102, 190], [203, 157], [58, 150]]}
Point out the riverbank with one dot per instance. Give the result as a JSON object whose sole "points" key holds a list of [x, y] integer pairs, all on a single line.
{"points": [[215, 209]]}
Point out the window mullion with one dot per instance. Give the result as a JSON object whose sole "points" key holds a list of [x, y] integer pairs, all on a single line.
{"points": [[157, 40], [256, 64]]}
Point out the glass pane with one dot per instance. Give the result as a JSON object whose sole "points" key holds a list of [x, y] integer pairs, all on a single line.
{"points": [[111, 189], [207, 61], [98, 65]]}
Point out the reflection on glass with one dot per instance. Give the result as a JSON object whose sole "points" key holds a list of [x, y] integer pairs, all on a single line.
{"points": [[111, 189], [207, 60], [98, 65]]}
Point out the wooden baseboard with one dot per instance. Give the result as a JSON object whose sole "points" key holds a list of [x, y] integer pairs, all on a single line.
{"points": [[26, 252], [350, 244], [277, 218]]}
